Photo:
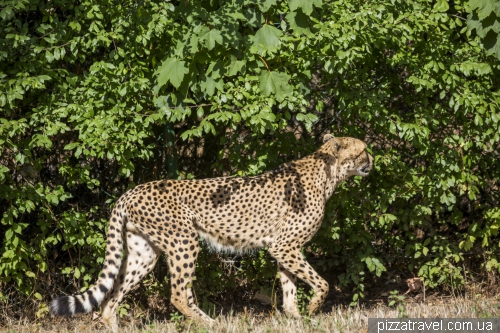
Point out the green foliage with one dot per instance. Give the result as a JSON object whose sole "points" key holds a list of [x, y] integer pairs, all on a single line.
{"points": [[171, 70], [90, 90], [303, 298], [484, 19], [398, 301], [178, 320]]}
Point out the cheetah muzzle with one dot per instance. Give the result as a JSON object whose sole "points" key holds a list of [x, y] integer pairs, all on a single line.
{"points": [[281, 209]]}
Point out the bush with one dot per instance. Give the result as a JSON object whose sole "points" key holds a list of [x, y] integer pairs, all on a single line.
{"points": [[99, 96]]}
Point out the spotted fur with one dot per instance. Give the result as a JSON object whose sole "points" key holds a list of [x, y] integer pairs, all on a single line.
{"points": [[281, 209]]}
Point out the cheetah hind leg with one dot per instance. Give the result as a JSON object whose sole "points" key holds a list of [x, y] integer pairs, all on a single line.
{"points": [[288, 284], [140, 259]]}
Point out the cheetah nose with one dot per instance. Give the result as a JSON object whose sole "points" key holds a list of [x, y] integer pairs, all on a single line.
{"points": [[368, 166]]}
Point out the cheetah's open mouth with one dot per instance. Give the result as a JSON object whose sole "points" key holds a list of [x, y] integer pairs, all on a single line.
{"points": [[365, 169]]}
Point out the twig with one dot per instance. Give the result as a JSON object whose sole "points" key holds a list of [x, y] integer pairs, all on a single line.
{"points": [[56, 46], [264, 63]]}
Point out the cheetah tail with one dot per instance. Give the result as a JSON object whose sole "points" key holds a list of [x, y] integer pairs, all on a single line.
{"points": [[84, 303]]}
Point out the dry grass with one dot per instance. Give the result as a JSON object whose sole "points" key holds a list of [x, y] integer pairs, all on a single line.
{"points": [[340, 319]]}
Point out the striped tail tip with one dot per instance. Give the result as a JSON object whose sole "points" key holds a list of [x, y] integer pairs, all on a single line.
{"points": [[70, 305], [62, 306]]}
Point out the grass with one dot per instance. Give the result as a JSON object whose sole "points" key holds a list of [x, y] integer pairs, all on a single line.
{"points": [[340, 319]]}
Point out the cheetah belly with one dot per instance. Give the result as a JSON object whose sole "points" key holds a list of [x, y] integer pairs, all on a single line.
{"points": [[237, 233], [220, 245]]}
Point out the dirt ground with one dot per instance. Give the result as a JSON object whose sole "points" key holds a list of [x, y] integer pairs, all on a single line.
{"points": [[256, 314], [255, 318]]}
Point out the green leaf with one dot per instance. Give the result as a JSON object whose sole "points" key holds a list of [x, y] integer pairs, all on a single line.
{"points": [[491, 43], [215, 69], [484, 19], [77, 273], [305, 5], [8, 234], [441, 6], [8, 254], [30, 274], [299, 23], [72, 145], [209, 85], [123, 91], [266, 4], [49, 56], [171, 70], [6, 13], [211, 37], [276, 83], [200, 112], [484, 8], [370, 264], [236, 66], [266, 40]]}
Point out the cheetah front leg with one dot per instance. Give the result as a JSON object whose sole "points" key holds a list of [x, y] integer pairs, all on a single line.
{"points": [[289, 287], [294, 263]]}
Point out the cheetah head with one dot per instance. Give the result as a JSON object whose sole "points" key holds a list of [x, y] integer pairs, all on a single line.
{"points": [[353, 159]]}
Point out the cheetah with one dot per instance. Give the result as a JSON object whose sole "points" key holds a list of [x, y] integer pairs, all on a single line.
{"points": [[281, 209]]}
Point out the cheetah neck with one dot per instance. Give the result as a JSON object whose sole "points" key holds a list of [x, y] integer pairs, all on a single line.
{"points": [[328, 173]]}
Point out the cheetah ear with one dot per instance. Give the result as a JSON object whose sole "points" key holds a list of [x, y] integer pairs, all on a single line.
{"points": [[334, 145], [327, 137]]}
